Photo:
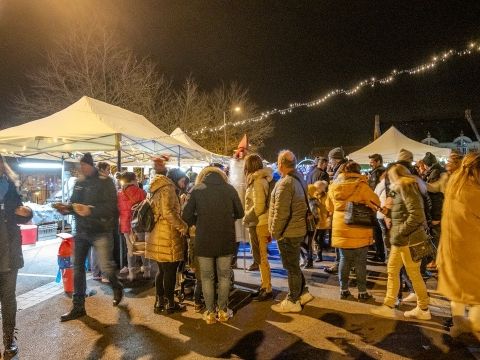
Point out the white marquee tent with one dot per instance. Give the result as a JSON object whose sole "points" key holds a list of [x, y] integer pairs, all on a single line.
{"points": [[390, 143], [95, 126], [179, 135]]}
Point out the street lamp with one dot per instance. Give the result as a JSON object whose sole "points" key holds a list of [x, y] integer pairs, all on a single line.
{"points": [[236, 109]]}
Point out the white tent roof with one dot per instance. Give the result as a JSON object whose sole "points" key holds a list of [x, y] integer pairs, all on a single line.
{"points": [[93, 125], [179, 135], [390, 143]]}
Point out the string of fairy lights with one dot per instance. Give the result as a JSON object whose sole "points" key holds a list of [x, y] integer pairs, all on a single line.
{"points": [[472, 48]]}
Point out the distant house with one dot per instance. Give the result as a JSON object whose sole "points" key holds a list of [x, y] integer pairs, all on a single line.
{"points": [[463, 144]]}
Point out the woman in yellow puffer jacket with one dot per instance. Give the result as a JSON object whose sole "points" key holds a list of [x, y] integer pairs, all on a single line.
{"points": [[351, 240]]}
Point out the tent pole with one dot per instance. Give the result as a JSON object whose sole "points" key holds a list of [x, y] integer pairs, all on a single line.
{"points": [[118, 139], [63, 191], [179, 155]]}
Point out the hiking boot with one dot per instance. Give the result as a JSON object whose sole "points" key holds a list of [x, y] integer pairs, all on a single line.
{"points": [[159, 305], [117, 296], [364, 297], [253, 267], [224, 315], [332, 269], [10, 343], [418, 313], [75, 313], [287, 306], [384, 311], [175, 307], [346, 295], [209, 317], [263, 295], [306, 297]]}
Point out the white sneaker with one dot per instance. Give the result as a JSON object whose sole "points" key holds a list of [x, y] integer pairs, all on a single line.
{"points": [[124, 270], [418, 314], [384, 311], [286, 306], [223, 316], [209, 317], [306, 297], [412, 297]]}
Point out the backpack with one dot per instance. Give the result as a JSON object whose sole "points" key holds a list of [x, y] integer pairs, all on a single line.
{"points": [[143, 218]]}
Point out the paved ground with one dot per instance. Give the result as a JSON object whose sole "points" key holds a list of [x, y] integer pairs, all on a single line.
{"points": [[328, 328]]}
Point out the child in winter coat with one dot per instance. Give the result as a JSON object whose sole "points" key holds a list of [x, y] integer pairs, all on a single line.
{"points": [[317, 198]]}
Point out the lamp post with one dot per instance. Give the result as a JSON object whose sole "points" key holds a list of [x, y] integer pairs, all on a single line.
{"points": [[236, 109]]}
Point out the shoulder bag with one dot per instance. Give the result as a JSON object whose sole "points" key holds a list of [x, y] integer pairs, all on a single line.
{"points": [[359, 214]]}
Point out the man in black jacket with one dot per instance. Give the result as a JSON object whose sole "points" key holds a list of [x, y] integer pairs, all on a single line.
{"points": [[319, 171], [94, 204], [434, 172], [376, 163]]}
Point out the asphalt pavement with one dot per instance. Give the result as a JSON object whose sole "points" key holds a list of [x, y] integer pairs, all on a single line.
{"points": [[327, 328]]}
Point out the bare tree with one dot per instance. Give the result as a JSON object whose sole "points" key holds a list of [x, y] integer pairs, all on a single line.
{"points": [[93, 63], [96, 65]]}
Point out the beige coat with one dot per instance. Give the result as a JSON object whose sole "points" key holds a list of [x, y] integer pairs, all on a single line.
{"points": [[349, 187], [256, 196], [459, 251], [164, 243]]}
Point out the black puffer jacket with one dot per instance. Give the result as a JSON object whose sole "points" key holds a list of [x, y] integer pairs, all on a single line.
{"points": [[433, 175], [213, 206], [11, 257], [101, 195], [374, 177]]}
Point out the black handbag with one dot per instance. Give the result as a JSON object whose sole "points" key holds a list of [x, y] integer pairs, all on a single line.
{"points": [[422, 250], [359, 214]]}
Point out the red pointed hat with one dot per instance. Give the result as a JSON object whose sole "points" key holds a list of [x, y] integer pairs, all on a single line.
{"points": [[242, 147]]}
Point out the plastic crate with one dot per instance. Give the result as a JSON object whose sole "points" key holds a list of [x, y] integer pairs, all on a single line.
{"points": [[47, 231]]}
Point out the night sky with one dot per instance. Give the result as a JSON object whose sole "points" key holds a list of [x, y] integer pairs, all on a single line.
{"points": [[283, 51]]}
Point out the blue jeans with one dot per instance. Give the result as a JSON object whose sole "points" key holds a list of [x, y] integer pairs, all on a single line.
{"points": [[290, 254], [103, 244], [353, 257], [222, 265]]}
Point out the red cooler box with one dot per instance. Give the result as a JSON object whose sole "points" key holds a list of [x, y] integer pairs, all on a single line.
{"points": [[29, 234]]}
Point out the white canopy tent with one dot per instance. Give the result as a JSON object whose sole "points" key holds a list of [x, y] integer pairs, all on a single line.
{"points": [[390, 143], [179, 135], [109, 132]]}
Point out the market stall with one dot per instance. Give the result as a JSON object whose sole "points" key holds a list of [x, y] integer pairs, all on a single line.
{"points": [[389, 145]]}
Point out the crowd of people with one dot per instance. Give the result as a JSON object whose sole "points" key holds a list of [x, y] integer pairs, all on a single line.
{"points": [[417, 217]]}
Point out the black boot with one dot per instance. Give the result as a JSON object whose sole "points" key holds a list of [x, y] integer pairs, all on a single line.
{"points": [[117, 296], [10, 343], [171, 308], [159, 306], [75, 313], [319, 257]]}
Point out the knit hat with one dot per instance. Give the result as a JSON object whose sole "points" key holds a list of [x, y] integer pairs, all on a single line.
{"points": [[336, 153], [87, 159], [162, 159], [175, 175], [405, 155], [429, 159]]}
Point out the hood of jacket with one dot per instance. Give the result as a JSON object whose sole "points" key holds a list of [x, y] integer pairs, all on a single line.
{"points": [[346, 185], [265, 173], [160, 181], [402, 183], [211, 175]]}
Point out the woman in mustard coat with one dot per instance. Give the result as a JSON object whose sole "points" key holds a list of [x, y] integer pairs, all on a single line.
{"points": [[459, 250]]}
